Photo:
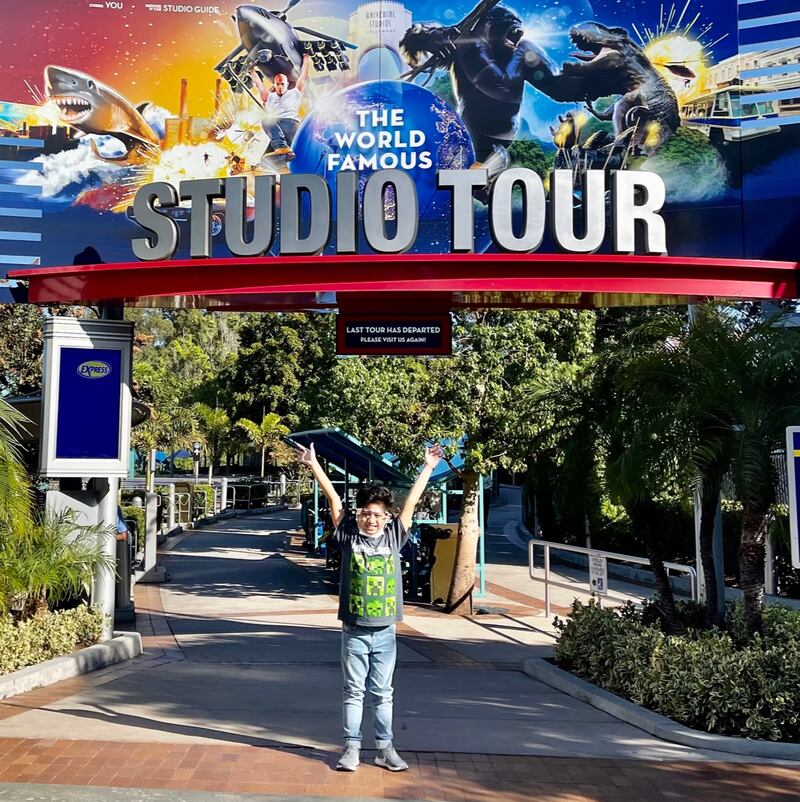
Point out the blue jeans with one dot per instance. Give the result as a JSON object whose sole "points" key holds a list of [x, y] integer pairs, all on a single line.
{"points": [[368, 658], [281, 132]]}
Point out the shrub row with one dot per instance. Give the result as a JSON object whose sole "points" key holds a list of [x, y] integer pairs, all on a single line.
{"points": [[710, 680], [41, 638], [136, 514]]}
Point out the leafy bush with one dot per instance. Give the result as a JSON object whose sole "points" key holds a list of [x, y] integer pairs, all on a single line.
{"points": [[714, 681], [46, 636], [137, 515], [201, 493]]}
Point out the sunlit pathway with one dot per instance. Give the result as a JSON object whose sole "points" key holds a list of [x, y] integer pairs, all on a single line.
{"points": [[239, 691]]}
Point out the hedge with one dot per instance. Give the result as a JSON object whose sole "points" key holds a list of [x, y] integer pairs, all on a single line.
{"points": [[43, 637], [710, 680], [138, 515]]}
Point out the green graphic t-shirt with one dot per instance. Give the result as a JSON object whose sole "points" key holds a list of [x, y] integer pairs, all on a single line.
{"points": [[371, 587]]}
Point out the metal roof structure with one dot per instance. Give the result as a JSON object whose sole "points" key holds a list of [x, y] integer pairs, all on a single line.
{"points": [[350, 454]]}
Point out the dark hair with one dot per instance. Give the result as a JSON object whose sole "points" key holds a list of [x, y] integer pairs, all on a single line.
{"points": [[373, 494]]}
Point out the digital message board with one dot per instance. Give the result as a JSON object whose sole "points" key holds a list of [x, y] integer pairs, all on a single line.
{"points": [[393, 335], [539, 111]]}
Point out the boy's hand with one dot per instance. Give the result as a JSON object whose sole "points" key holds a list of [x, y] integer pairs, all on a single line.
{"points": [[306, 456], [434, 455]]}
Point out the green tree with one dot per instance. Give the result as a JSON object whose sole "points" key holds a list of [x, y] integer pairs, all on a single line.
{"points": [[215, 426], [752, 372], [21, 343], [479, 397], [442, 85], [265, 436], [283, 362], [597, 411], [15, 492]]}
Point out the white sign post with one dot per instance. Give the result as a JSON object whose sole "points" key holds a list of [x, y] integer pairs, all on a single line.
{"points": [[793, 474], [598, 574]]}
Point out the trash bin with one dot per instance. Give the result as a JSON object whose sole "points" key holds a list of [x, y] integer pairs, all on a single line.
{"points": [[444, 563]]}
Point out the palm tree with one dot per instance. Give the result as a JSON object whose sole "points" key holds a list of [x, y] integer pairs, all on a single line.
{"points": [[664, 374], [15, 491], [640, 450], [180, 428], [214, 426], [266, 435], [734, 382]]}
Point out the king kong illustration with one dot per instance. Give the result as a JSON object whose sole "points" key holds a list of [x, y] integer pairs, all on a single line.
{"points": [[489, 67]]}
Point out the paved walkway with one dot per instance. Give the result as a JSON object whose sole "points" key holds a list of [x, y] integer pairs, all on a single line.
{"points": [[239, 692]]}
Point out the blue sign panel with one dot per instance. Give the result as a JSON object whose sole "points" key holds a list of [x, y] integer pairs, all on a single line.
{"points": [[88, 418]]}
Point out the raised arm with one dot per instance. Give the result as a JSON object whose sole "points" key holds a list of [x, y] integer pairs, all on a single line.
{"points": [[301, 81], [308, 457], [259, 85], [432, 457]]}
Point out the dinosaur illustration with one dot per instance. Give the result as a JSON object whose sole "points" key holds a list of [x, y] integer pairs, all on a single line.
{"points": [[611, 63], [94, 108]]}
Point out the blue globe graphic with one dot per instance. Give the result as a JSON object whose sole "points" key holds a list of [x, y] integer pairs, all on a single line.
{"points": [[319, 147]]}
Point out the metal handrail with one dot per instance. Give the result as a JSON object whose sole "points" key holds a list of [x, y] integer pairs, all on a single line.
{"points": [[609, 555]]}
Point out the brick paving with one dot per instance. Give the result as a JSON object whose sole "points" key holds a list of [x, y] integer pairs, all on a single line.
{"points": [[432, 776], [296, 771]]}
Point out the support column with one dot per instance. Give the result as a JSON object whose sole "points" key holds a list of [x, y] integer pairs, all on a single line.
{"points": [[104, 591], [223, 500], [770, 585], [171, 518]]}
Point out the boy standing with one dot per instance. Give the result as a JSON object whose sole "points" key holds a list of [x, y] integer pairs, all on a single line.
{"points": [[370, 602]]}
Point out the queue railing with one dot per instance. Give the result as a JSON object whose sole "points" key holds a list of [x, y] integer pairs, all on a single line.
{"points": [[549, 582]]}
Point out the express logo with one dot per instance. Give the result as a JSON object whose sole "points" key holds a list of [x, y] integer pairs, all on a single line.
{"points": [[94, 369]]}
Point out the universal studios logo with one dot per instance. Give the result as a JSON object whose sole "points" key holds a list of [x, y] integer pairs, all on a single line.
{"points": [[94, 369]]}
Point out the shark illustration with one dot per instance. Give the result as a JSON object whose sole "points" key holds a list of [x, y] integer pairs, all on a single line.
{"points": [[94, 108]]}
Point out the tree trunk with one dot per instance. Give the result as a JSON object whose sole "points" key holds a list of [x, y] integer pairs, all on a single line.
{"points": [[709, 499], [644, 515], [751, 565], [263, 453], [459, 598]]}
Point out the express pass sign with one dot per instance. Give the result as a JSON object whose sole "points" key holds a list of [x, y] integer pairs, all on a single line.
{"points": [[89, 400], [333, 126], [86, 392]]}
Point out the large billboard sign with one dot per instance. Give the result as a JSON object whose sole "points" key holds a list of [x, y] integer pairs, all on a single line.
{"points": [[148, 131]]}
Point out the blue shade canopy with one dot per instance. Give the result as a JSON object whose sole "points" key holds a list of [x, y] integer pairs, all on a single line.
{"points": [[336, 446]]}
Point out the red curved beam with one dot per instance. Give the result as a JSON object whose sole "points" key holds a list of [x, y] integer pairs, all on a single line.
{"points": [[506, 276]]}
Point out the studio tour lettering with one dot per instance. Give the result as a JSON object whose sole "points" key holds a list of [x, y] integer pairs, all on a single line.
{"points": [[388, 211]]}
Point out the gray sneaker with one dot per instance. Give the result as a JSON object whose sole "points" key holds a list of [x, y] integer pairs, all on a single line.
{"points": [[389, 759], [349, 760]]}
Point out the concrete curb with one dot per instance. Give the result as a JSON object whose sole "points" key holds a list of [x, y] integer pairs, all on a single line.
{"points": [[653, 723], [123, 646]]}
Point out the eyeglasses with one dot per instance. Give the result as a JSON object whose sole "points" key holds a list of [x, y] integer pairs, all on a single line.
{"points": [[378, 516]]}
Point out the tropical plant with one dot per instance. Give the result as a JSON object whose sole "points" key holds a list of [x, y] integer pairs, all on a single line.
{"points": [[640, 448], [265, 436], [51, 562], [15, 492], [214, 426], [730, 382]]}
